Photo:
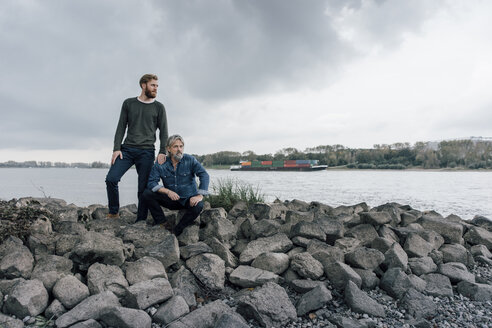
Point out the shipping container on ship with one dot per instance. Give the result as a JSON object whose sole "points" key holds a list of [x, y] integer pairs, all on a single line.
{"points": [[287, 165]]}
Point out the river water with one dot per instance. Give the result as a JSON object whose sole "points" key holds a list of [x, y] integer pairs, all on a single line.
{"points": [[465, 194]]}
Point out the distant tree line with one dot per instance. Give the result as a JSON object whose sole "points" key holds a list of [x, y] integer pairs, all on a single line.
{"points": [[26, 164], [471, 154]]}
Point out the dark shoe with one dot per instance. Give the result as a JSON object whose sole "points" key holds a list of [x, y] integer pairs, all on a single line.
{"points": [[112, 216], [168, 226]]}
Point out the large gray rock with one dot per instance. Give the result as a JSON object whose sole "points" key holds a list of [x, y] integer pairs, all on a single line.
{"points": [[369, 279], [269, 305], [305, 285], [313, 300], [316, 246], [184, 284], [41, 244], [167, 251], [451, 231], [146, 293], [276, 243], [454, 253], [365, 258], [456, 272], [101, 277], [365, 233], [16, 263], [266, 211], [475, 292], [422, 265], [27, 298], [306, 266], [203, 317], [246, 276], [347, 244], [125, 318], [90, 308], [333, 229], [416, 246], [418, 305], [360, 302], [223, 252], [173, 309], [342, 321], [141, 235], [91, 323], [395, 282], [97, 247], [382, 244], [375, 218], [145, 268], [274, 262], [480, 250], [228, 320], [209, 269], [9, 322], [479, 236], [396, 257], [438, 285], [432, 237], [219, 227], [340, 273], [264, 228], [194, 249], [50, 268], [308, 230], [55, 309], [70, 291]]}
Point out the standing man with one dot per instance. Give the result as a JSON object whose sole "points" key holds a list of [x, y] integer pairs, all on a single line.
{"points": [[140, 116], [179, 190]]}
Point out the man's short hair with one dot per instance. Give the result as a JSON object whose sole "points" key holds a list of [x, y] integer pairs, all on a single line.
{"points": [[172, 139], [146, 78]]}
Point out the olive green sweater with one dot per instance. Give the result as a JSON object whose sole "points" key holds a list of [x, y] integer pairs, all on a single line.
{"points": [[141, 121]]}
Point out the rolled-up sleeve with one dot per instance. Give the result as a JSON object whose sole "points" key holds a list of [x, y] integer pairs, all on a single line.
{"points": [[203, 176], [154, 178]]}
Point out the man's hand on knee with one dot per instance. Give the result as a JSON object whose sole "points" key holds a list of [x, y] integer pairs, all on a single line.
{"points": [[195, 200], [171, 194]]}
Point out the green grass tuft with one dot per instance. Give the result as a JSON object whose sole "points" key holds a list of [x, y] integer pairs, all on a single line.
{"points": [[229, 191]]}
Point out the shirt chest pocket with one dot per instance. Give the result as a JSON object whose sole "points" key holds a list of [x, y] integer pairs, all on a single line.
{"points": [[169, 179]]}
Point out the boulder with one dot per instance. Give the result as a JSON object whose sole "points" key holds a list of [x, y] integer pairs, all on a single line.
{"points": [[360, 302], [422, 265], [305, 285], [50, 268], [451, 231], [173, 309], [220, 249], [146, 293], [396, 257], [167, 251], [340, 273], [269, 305], [432, 237], [141, 235], [271, 261], [96, 247], [364, 258], [308, 230], [395, 282], [375, 218], [264, 228], [480, 250], [276, 243], [382, 244], [209, 269], [55, 309], [329, 252], [145, 268], [313, 300], [333, 229], [228, 320], [454, 253], [246, 276], [475, 291], [456, 272], [416, 246], [265, 211], [16, 263], [27, 298], [347, 244], [70, 291], [219, 227], [185, 285], [203, 317], [369, 279], [91, 323], [479, 236], [101, 277], [9, 322], [125, 318], [306, 266], [90, 308], [418, 305], [194, 249], [438, 285], [365, 233]]}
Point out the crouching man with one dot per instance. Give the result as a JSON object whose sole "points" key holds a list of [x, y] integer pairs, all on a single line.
{"points": [[178, 189]]}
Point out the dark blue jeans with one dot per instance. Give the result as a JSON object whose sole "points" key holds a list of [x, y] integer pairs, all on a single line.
{"points": [[143, 160], [155, 200]]}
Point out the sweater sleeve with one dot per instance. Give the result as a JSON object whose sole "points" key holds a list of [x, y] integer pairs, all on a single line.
{"points": [[163, 134], [120, 129]]}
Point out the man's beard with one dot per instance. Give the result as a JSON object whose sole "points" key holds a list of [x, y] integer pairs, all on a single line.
{"points": [[150, 94], [178, 156]]}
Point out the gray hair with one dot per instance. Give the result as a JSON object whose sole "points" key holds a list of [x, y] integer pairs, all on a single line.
{"points": [[172, 139]]}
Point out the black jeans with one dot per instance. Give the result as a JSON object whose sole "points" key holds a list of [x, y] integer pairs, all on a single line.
{"points": [[143, 160], [154, 201]]}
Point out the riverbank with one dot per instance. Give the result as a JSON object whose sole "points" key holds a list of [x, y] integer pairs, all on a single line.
{"points": [[281, 264]]}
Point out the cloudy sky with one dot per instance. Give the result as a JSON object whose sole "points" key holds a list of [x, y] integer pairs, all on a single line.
{"points": [[238, 75]]}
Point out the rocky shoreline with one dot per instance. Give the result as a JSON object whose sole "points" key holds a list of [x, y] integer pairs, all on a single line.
{"points": [[281, 264]]}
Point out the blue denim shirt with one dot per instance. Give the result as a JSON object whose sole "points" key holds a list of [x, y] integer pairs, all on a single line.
{"points": [[181, 181]]}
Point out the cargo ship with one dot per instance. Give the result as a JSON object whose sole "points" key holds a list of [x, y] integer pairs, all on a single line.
{"points": [[288, 165]]}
